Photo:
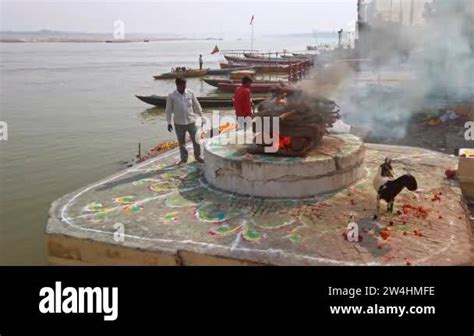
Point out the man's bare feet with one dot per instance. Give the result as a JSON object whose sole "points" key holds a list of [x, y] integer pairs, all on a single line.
{"points": [[181, 162], [200, 160]]}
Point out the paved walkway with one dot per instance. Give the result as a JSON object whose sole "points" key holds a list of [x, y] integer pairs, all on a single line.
{"points": [[158, 208]]}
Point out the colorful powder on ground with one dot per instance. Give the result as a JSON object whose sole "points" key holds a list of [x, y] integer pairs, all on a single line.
{"points": [[133, 209], [125, 200], [223, 230], [251, 235], [170, 217], [93, 207], [98, 219]]}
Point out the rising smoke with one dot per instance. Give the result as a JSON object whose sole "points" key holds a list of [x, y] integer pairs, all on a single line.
{"points": [[438, 53]]}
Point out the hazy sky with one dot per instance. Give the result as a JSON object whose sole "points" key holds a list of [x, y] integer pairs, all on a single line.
{"points": [[191, 18]]}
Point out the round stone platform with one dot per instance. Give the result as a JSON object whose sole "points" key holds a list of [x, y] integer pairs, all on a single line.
{"points": [[336, 164]]}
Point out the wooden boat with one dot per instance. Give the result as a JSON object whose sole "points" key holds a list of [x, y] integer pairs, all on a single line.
{"points": [[225, 71], [262, 69], [273, 69], [247, 55], [215, 82], [279, 57], [188, 73], [160, 101], [256, 88], [258, 61], [226, 66], [300, 57], [241, 74]]}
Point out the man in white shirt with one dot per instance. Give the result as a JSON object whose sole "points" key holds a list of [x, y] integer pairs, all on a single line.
{"points": [[183, 105]]}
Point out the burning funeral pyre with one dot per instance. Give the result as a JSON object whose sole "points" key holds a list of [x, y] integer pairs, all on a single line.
{"points": [[303, 120]]}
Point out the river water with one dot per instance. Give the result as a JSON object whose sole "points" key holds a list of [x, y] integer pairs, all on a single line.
{"points": [[73, 119]]}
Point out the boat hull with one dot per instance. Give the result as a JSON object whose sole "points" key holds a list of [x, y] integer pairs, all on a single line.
{"points": [[256, 88], [185, 74], [225, 71], [263, 69], [256, 60], [236, 75], [215, 82], [160, 101]]}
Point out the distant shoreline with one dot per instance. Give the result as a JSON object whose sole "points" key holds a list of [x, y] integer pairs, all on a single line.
{"points": [[51, 40], [50, 36]]}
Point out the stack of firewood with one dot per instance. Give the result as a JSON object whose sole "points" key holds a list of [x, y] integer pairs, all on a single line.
{"points": [[303, 120]]}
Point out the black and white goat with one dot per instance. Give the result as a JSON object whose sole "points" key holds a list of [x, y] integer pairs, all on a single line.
{"points": [[388, 188]]}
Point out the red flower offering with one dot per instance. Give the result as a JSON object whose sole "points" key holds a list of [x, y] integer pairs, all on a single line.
{"points": [[385, 235], [450, 174]]}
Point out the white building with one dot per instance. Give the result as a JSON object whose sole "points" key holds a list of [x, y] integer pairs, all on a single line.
{"points": [[407, 12]]}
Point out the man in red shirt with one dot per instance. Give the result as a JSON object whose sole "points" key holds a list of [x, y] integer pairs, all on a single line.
{"points": [[243, 101]]}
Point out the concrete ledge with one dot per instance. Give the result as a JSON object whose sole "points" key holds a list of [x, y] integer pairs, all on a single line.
{"points": [[65, 250], [189, 258]]}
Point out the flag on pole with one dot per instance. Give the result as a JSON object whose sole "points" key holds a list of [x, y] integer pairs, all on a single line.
{"points": [[215, 50], [251, 20]]}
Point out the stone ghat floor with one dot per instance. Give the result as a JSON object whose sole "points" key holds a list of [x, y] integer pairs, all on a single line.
{"points": [[158, 209]]}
